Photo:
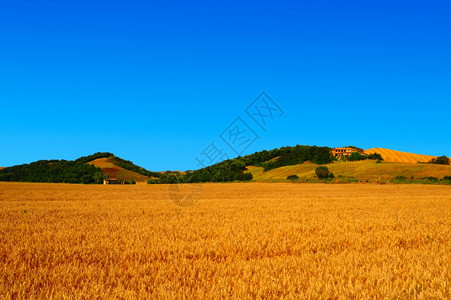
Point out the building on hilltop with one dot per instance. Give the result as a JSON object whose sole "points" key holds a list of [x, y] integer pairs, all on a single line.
{"points": [[345, 151]]}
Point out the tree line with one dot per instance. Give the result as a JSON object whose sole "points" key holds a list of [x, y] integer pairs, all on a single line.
{"points": [[355, 156], [58, 171], [441, 160], [233, 169], [287, 156]]}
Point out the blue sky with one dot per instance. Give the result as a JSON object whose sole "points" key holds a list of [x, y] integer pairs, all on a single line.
{"points": [[156, 83]]}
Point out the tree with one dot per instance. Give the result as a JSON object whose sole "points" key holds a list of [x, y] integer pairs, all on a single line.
{"points": [[98, 177], [355, 156], [87, 178], [374, 156], [442, 160], [322, 172], [293, 177]]}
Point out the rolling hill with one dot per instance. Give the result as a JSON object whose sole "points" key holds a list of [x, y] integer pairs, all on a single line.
{"points": [[399, 156], [361, 170], [57, 171], [109, 168], [273, 165], [88, 169]]}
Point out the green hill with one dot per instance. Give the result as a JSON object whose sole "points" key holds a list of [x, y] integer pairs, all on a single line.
{"points": [[234, 169], [88, 169], [59, 171], [273, 165]]}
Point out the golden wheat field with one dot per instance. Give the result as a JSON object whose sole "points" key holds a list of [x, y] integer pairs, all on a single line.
{"points": [[241, 240]]}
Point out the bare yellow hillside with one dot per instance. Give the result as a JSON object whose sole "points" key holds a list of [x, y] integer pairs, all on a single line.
{"points": [[399, 156], [117, 172], [2, 168]]}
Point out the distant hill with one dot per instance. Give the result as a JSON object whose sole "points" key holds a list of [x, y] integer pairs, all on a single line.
{"points": [[88, 169], [233, 169], [395, 164], [109, 168], [354, 170], [58, 171], [272, 165], [399, 156]]}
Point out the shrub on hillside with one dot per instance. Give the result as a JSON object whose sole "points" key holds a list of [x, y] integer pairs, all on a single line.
{"points": [[374, 156], [322, 172], [293, 177], [355, 156], [430, 178], [442, 160], [400, 179]]}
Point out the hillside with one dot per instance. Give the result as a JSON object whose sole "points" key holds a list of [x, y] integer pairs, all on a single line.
{"points": [[362, 170], [399, 156], [58, 171], [114, 171], [233, 169], [272, 165], [87, 169]]}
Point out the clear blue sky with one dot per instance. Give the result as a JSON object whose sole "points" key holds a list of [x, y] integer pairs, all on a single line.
{"points": [[156, 83]]}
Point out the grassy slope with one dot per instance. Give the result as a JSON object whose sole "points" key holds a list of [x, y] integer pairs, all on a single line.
{"points": [[115, 171], [366, 170], [399, 156]]}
